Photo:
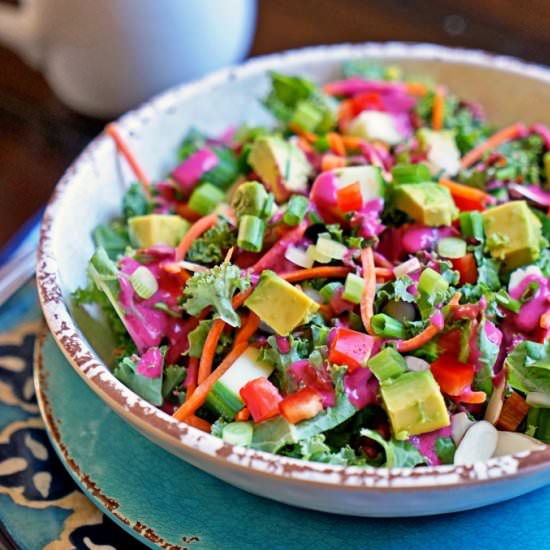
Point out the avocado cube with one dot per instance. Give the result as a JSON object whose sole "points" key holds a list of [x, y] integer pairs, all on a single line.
{"points": [[154, 229], [281, 165], [513, 233], [279, 304], [414, 404], [441, 148], [427, 203]]}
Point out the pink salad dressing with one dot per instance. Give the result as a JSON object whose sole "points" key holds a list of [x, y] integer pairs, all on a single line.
{"points": [[368, 219], [527, 319], [416, 237], [426, 443], [150, 364], [188, 173], [361, 387], [303, 372]]}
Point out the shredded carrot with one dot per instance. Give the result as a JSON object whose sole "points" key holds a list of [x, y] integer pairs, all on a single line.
{"points": [[367, 298], [192, 371], [331, 162], [113, 131], [459, 190], [229, 255], [209, 350], [248, 327], [438, 109], [313, 272], [336, 143], [500, 137], [194, 232], [352, 142], [419, 340], [455, 300], [308, 136], [416, 88], [326, 311], [304, 145], [243, 415], [545, 320], [384, 272], [183, 210], [198, 423], [346, 113], [382, 261], [199, 395]]}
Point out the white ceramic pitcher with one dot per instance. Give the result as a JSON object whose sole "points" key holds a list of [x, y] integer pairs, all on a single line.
{"points": [[102, 57]]}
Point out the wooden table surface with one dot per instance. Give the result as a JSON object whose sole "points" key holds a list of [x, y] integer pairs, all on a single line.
{"points": [[39, 136]]}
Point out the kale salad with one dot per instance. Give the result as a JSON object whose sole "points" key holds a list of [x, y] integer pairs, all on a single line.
{"points": [[365, 282]]}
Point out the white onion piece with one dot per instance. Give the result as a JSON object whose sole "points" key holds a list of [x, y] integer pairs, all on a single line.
{"points": [[460, 423], [298, 257], [313, 294], [519, 274], [407, 267], [416, 364], [496, 402], [477, 445], [537, 399], [512, 442], [193, 267]]}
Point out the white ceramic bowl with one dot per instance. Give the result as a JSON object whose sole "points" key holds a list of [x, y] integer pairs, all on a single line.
{"points": [[91, 190]]}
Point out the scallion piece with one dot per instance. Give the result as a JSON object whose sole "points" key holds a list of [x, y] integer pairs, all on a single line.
{"points": [[251, 233], [238, 433], [451, 247], [353, 288], [471, 225], [387, 327], [386, 364], [506, 301], [432, 282], [143, 282], [205, 198], [411, 173], [332, 249], [307, 116], [327, 292], [296, 210], [250, 198]]}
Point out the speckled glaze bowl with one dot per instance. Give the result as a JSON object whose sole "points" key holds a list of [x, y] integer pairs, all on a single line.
{"points": [[90, 193]]}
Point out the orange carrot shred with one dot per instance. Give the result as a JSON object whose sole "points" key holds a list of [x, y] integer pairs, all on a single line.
{"points": [[367, 298], [438, 110], [193, 368], [183, 210], [248, 327], [351, 142], [199, 395], [500, 137], [331, 162], [209, 350], [381, 261], [198, 423], [455, 300], [460, 190], [336, 144], [384, 272], [313, 272], [194, 232], [243, 415], [419, 340], [416, 88], [122, 147], [308, 136]]}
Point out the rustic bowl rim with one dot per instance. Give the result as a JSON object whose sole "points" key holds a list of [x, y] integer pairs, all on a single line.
{"points": [[166, 431]]}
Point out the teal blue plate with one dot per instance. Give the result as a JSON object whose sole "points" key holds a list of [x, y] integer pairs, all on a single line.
{"points": [[165, 502]]}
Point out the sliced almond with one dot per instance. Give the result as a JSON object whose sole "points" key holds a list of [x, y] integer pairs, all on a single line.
{"points": [[494, 407], [512, 442], [459, 424], [477, 445], [416, 364]]}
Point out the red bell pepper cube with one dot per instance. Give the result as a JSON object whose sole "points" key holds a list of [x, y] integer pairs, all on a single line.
{"points": [[349, 198], [301, 405], [262, 398], [467, 268], [351, 348], [453, 377]]}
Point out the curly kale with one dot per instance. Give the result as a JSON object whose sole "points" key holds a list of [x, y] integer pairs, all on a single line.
{"points": [[214, 243]]}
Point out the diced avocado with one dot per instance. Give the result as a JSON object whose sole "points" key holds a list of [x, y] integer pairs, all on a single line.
{"points": [[224, 396], [281, 165], [279, 304], [154, 229], [428, 203], [369, 178], [442, 151], [513, 233], [271, 435], [414, 404], [375, 125]]}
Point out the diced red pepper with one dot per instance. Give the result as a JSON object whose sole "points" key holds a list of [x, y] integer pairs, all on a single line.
{"points": [[301, 405], [262, 398], [349, 198], [467, 268], [367, 100], [351, 348], [452, 376], [467, 204]]}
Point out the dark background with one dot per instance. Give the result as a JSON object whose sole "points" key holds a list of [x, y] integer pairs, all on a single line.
{"points": [[39, 137]]}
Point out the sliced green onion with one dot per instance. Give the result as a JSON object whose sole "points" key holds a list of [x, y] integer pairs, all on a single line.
{"points": [[507, 302], [250, 198], [307, 116], [143, 282], [432, 282], [387, 327], [411, 173], [451, 247], [251, 233], [353, 288], [386, 364], [321, 144], [296, 210], [205, 198], [327, 247], [328, 291], [299, 257], [238, 433], [471, 225]]}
